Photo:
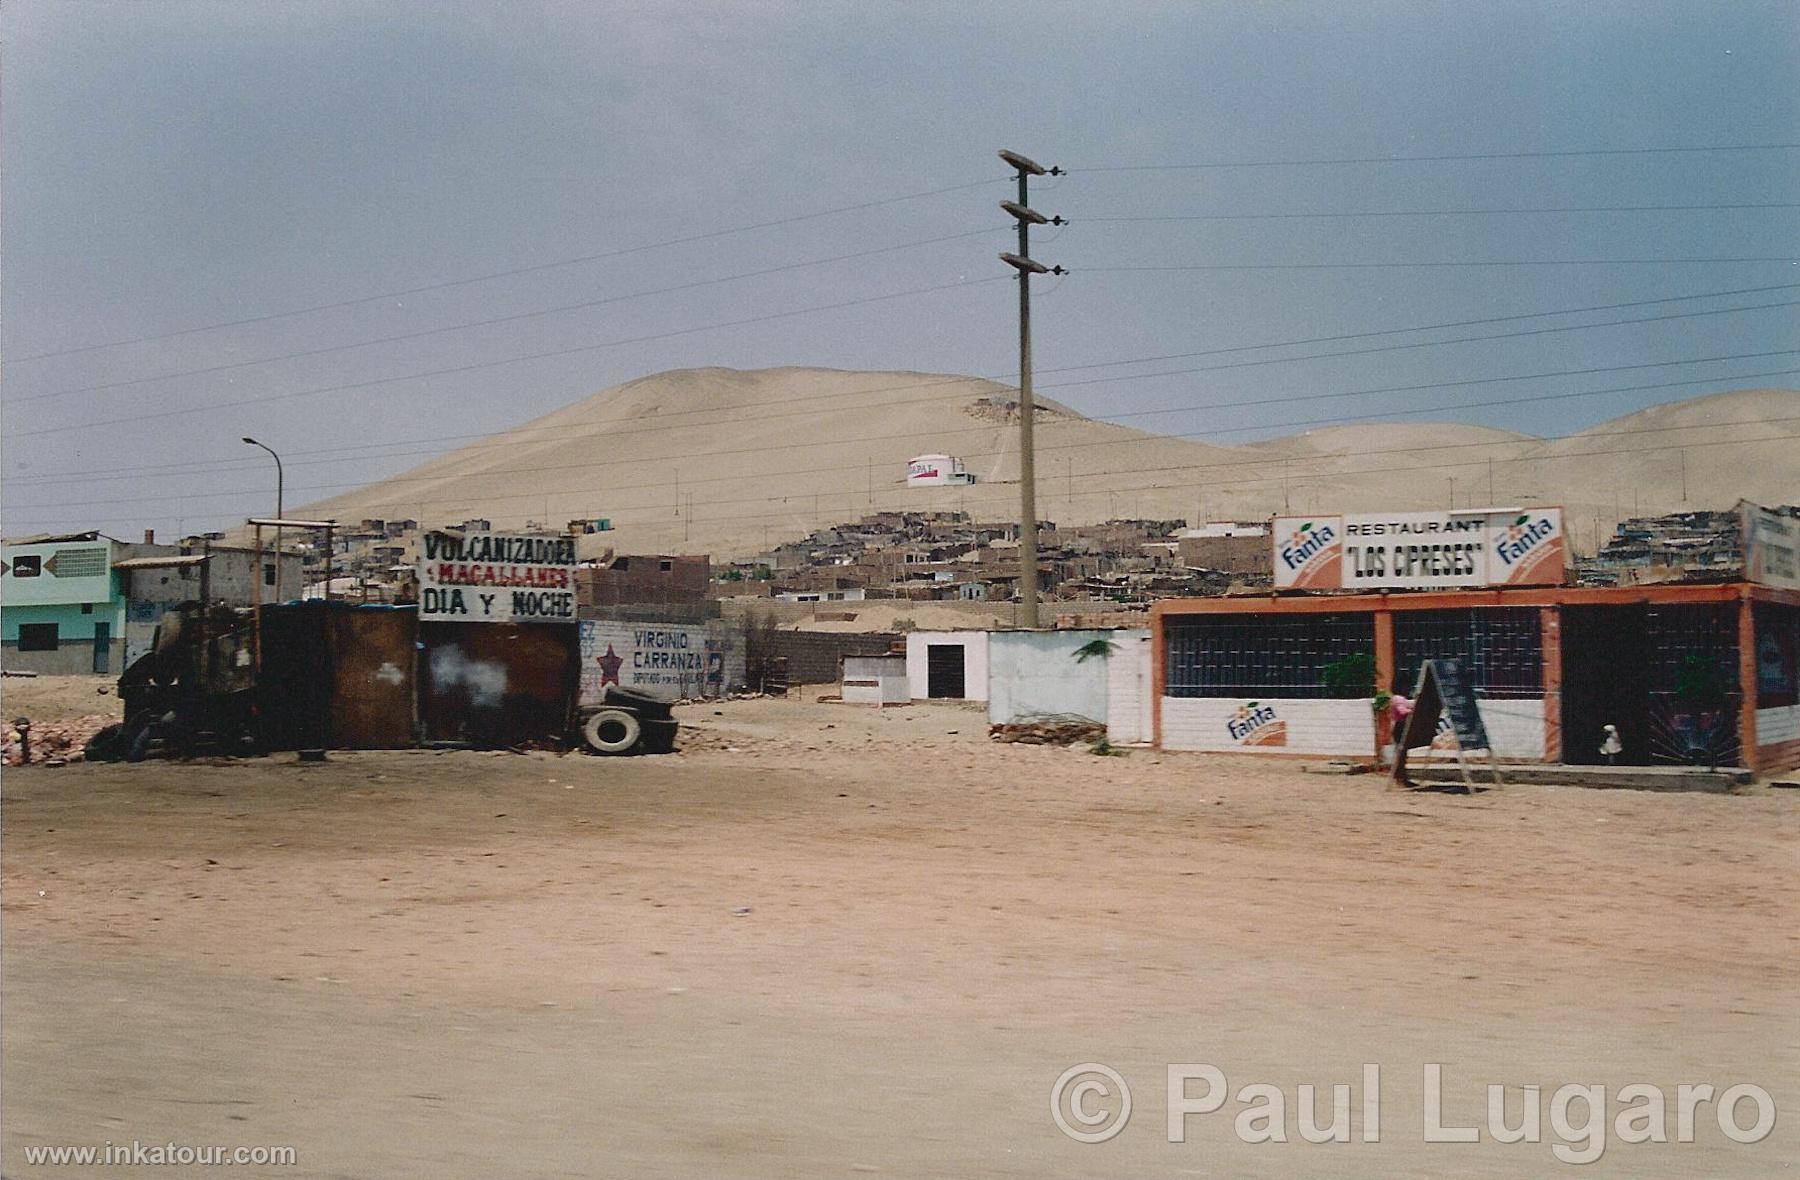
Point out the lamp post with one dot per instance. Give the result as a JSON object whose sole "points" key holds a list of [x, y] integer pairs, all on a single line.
{"points": [[278, 511]]}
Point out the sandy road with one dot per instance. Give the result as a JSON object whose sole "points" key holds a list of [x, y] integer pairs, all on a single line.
{"points": [[799, 950]]}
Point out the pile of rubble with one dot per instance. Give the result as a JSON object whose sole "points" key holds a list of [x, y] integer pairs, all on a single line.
{"points": [[1049, 731], [53, 741]]}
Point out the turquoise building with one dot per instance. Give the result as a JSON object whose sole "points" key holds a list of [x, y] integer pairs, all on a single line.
{"points": [[62, 605]]}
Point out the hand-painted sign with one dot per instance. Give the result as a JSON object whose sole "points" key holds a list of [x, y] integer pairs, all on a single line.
{"points": [[1419, 550], [658, 659], [497, 578], [1771, 546]]}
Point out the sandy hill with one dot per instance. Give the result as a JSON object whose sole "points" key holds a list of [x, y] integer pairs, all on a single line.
{"points": [[728, 462]]}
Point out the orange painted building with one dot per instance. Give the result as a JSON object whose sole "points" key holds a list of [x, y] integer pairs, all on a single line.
{"points": [[1687, 674]]}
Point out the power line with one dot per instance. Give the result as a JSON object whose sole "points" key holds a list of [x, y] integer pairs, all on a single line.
{"points": [[505, 319], [470, 368], [1054, 385], [563, 433], [501, 274], [1435, 212], [854, 494], [1427, 265], [1435, 159], [763, 448]]}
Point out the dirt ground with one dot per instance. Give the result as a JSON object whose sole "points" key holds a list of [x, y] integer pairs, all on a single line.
{"points": [[830, 941]]}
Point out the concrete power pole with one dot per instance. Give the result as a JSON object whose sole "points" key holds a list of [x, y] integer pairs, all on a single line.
{"points": [[1027, 217]]}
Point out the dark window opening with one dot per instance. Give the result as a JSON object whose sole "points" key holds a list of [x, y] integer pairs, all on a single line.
{"points": [[268, 575], [1264, 655], [27, 565], [87, 608], [38, 636]]}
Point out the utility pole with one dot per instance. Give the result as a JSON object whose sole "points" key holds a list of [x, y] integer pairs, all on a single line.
{"points": [[1022, 262]]}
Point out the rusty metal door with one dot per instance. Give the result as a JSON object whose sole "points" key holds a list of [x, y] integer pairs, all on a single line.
{"points": [[497, 684], [372, 700]]}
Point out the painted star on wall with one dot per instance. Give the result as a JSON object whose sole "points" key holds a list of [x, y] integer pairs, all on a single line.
{"points": [[610, 663]]}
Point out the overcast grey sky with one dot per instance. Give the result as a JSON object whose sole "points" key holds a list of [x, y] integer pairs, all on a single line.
{"points": [[168, 166]]}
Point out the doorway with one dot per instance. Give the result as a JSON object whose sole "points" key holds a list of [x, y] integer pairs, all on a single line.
{"points": [[944, 664], [102, 648], [1605, 669]]}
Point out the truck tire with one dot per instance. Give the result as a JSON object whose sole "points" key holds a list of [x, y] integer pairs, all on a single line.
{"points": [[612, 731]]}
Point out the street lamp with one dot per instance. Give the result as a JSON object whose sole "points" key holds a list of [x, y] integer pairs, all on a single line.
{"points": [[278, 511]]}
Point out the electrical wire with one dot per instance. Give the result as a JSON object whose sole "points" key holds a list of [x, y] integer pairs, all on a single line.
{"points": [[534, 268], [1438, 159], [476, 367], [1430, 213], [505, 319], [1048, 446], [121, 472]]}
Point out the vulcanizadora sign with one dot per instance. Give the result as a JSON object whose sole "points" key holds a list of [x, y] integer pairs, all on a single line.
{"points": [[1419, 550], [497, 578]]}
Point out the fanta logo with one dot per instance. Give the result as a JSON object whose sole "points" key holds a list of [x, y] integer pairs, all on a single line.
{"points": [[1521, 537], [1305, 543], [1256, 724]]}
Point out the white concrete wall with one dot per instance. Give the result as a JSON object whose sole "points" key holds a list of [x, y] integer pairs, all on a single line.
{"points": [[1777, 725], [975, 661], [876, 680], [1035, 674], [1299, 725], [1515, 726], [1129, 689], [1345, 728]]}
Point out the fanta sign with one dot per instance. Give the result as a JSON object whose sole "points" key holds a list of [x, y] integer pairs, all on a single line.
{"points": [[1310, 553], [1256, 724], [1419, 550]]}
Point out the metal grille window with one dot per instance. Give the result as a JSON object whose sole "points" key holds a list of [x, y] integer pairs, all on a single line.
{"points": [[1271, 655], [1501, 649], [1693, 653], [1693, 684]]}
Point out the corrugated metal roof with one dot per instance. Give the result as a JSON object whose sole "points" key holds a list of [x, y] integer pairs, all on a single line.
{"points": [[161, 563]]}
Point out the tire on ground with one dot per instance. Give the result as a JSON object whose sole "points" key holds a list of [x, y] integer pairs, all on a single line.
{"points": [[659, 736], [612, 731], [107, 745]]}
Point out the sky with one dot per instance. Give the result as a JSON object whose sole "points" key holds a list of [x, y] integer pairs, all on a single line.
{"points": [[297, 222]]}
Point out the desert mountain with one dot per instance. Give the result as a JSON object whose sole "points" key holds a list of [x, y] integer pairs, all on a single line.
{"points": [[729, 462]]}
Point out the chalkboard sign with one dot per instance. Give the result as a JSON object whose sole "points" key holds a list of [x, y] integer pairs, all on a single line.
{"points": [[1443, 693], [1458, 701]]}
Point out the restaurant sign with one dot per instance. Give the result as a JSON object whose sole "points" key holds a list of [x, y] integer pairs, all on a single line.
{"points": [[1419, 550]]}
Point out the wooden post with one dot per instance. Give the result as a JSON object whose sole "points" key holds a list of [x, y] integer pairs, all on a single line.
{"points": [[1159, 658]]}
